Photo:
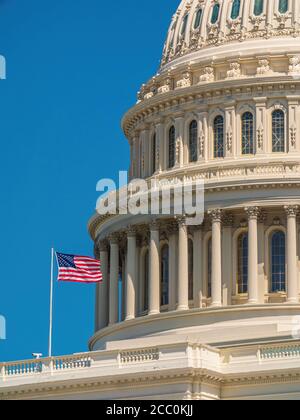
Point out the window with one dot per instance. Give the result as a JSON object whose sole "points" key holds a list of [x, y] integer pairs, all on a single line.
{"points": [[165, 275], [247, 134], [172, 35], [243, 263], [193, 139], [278, 131], [184, 25], [278, 262], [219, 137], [146, 282], [198, 19], [258, 7], [209, 268], [215, 14], [172, 147], [191, 269], [235, 11], [154, 153], [283, 6]]}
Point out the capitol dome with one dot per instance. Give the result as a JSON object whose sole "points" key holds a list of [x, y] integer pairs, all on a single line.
{"points": [[224, 108], [199, 25]]}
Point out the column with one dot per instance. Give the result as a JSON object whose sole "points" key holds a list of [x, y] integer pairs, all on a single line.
{"points": [[292, 269], [216, 272], [197, 264], [131, 282], [102, 290], [183, 267], [253, 213], [262, 289], [227, 275], [154, 283], [173, 239], [114, 280]]}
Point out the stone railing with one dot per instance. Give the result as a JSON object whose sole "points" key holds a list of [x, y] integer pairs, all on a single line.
{"points": [[46, 365], [279, 352], [139, 356]]}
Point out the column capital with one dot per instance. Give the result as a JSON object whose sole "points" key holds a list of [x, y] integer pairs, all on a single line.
{"points": [[114, 238], [103, 245], [291, 211], [131, 231], [215, 215], [154, 226], [181, 221], [252, 212]]}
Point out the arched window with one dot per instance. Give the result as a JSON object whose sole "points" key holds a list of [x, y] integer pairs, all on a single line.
{"points": [[154, 153], [172, 37], [198, 18], [243, 263], [215, 13], [235, 11], [146, 282], [278, 262], [184, 25], [209, 268], [191, 269], [219, 137], [278, 131], [247, 134], [164, 275], [193, 140], [258, 7], [283, 6], [172, 147]]}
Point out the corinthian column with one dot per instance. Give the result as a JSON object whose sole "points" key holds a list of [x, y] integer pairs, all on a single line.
{"points": [[114, 280], [292, 270], [102, 289], [216, 272], [154, 284], [253, 213], [131, 283], [183, 267]]}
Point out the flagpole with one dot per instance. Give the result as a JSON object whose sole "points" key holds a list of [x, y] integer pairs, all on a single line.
{"points": [[51, 303]]}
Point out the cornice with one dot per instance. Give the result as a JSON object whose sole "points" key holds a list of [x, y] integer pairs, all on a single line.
{"points": [[220, 90], [225, 178]]}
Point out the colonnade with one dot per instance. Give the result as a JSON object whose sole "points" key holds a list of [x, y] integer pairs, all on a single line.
{"points": [[108, 293]]}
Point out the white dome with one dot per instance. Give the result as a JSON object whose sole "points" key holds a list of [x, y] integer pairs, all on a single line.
{"points": [[200, 24]]}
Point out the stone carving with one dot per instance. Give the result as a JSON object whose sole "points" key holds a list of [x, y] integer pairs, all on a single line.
{"points": [[229, 139], [235, 70], [215, 215], [294, 65], [253, 212], [207, 76], [263, 67], [293, 135], [260, 137], [201, 143], [186, 81], [291, 211]]}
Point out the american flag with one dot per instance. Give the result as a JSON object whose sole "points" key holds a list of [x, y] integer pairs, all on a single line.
{"points": [[73, 268]]}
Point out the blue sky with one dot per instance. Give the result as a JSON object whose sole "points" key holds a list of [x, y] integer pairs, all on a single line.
{"points": [[73, 69]]}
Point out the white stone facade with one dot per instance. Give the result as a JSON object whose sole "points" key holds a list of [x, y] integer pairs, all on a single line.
{"points": [[208, 312]]}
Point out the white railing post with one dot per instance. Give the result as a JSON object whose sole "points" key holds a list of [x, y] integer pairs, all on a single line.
{"points": [[2, 372]]}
